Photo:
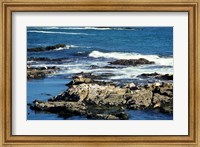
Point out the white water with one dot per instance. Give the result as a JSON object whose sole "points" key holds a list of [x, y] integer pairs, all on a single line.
{"points": [[66, 33], [119, 55], [83, 28], [67, 47]]}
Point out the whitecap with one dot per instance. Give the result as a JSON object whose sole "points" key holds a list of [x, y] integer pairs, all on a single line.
{"points": [[119, 55], [67, 47], [66, 33]]}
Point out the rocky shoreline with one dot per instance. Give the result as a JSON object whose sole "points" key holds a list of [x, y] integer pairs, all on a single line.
{"points": [[91, 96], [99, 100]]}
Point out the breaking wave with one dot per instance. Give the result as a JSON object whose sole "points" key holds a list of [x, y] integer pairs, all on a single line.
{"points": [[119, 55], [67, 47]]}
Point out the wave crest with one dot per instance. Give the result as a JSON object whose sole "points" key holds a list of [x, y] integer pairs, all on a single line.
{"points": [[119, 55], [66, 33], [67, 47]]}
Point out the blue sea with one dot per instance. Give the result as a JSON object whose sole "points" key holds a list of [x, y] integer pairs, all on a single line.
{"points": [[88, 47]]}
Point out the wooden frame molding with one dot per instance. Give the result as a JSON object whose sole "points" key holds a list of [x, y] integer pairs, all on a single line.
{"points": [[9, 6]]}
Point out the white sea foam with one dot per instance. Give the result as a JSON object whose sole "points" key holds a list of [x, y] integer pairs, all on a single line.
{"points": [[119, 55], [67, 47], [66, 33], [84, 28], [122, 73], [133, 72]]}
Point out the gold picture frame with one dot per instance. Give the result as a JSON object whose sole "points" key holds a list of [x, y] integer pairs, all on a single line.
{"points": [[9, 6]]}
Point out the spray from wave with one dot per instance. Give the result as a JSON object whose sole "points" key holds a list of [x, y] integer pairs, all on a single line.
{"points": [[119, 55], [67, 47]]}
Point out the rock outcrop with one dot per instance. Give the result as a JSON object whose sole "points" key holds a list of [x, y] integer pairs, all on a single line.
{"points": [[47, 48], [46, 59], [40, 72], [132, 62], [87, 97], [157, 76]]}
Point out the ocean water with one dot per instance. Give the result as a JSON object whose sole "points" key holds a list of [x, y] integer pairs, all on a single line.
{"points": [[96, 46]]}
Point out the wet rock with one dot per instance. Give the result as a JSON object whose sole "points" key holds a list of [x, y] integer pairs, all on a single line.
{"points": [[110, 67], [165, 77], [90, 78], [167, 108], [118, 116], [102, 116], [60, 107], [35, 75], [105, 75], [45, 59], [146, 75], [40, 72], [94, 66], [157, 76], [47, 48], [132, 62]]}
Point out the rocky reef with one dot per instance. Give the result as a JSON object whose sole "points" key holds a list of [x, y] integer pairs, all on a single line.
{"points": [[47, 48], [87, 96], [40, 72], [132, 62], [157, 76], [45, 59]]}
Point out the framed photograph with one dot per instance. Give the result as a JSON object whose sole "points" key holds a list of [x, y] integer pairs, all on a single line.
{"points": [[112, 73]]}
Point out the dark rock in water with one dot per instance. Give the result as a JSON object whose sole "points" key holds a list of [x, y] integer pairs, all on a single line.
{"points": [[110, 67], [46, 59], [47, 94], [132, 62], [165, 77], [47, 48], [102, 116], [60, 107], [146, 75], [94, 67], [90, 78], [167, 108], [103, 75], [156, 76], [35, 75], [40, 72]]}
